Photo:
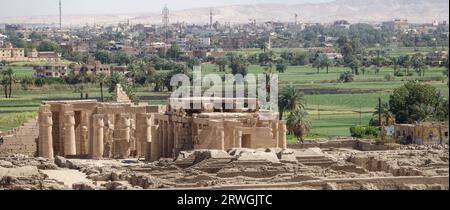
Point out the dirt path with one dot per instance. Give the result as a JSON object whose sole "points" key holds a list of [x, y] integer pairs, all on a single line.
{"points": [[67, 176]]}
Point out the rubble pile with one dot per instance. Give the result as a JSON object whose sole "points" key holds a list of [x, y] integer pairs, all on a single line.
{"points": [[403, 168]]}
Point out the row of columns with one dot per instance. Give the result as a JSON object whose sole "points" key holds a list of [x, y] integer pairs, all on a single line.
{"points": [[165, 139], [160, 140]]}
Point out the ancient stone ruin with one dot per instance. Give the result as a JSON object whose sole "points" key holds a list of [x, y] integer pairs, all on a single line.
{"points": [[121, 129], [88, 145]]}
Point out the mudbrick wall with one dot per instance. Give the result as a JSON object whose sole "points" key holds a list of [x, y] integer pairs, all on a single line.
{"points": [[350, 144], [22, 140]]}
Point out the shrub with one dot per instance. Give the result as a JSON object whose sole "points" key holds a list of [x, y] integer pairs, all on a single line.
{"points": [[389, 77], [346, 77], [399, 73], [402, 140], [39, 82], [359, 131], [281, 67]]}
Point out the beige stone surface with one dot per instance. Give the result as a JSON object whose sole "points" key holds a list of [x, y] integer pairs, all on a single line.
{"points": [[67, 176]]}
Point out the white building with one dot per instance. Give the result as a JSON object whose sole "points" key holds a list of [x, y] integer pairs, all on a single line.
{"points": [[204, 41]]}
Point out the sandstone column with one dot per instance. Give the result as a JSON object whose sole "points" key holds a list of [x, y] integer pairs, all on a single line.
{"points": [[45, 132], [275, 133], [222, 140], [282, 143], [146, 135], [164, 138], [170, 139], [84, 140], [175, 138], [122, 136], [98, 125], [239, 139], [155, 151], [159, 139], [70, 147]]}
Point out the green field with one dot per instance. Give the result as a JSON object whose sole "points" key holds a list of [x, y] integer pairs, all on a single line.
{"points": [[307, 74], [333, 106], [251, 51], [398, 51]]}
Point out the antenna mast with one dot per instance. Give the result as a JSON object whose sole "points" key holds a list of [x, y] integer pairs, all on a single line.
{"points": [[166, 22], [211, 18], [60, 16]]}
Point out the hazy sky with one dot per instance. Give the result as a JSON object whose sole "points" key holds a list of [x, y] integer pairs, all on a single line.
{"points": [[50, 7]]}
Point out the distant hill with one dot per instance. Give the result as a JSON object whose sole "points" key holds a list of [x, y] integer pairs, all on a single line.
{"points": [[416, 11]]}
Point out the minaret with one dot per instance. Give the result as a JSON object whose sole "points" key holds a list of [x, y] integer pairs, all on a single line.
{"points": [[60, 16], [210, 18], [296, 17], [166, 22]]}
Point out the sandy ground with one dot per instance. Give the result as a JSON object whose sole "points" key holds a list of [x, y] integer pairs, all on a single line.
{"points": [[67, 176]]}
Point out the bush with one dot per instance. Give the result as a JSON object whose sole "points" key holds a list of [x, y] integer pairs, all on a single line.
{"points": [[359, 131], [389, 77], [346, 77], [39, 82], [399, 73], [402, 141], [281, 67]]}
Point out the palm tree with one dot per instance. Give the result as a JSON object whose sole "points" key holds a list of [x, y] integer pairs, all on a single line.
{"points": [[79, 89], [9, 74], [354, 65], [394, 63], [101, 79], [317, 64], [298, 123], [326, 62], [132, 72], [385, 112], [418, 64], [159, 80], [4, 83], [423, 112], [290, 99], [406, 63]]}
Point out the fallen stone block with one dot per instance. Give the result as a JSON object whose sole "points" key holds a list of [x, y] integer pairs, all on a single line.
{"points": [[258, 156], [61, 161], [201, 155], [47, 166], [6, 164], [118, 185], [25, 171], [238, 151], [274, 150], [83, 186]]}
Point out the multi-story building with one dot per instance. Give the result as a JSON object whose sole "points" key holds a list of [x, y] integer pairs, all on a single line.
{"points": [[422, 133], [2, 38], [44, 55], [397, 24], [95, 67], [13, 27], [231, 43], [203, 42], [49, 71], [9, 53]]}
